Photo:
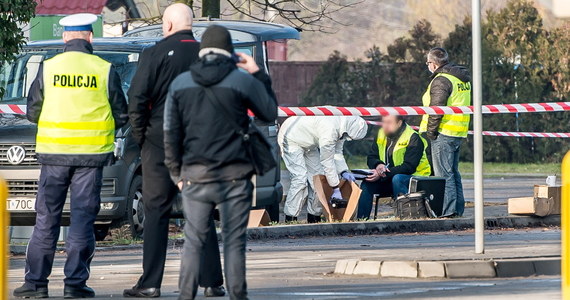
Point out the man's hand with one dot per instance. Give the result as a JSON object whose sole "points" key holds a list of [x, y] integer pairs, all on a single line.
{"points": [[180, 184], [432, 135], [379, 172], [247, 63]]}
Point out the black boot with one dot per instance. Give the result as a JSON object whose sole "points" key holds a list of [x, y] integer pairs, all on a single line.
{"points": [[216, 291], [313, 219], [26, 291], [289, 219], [72, 292]]}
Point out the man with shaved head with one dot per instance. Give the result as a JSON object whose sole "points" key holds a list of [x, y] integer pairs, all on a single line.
{"points": [[158, 66]]}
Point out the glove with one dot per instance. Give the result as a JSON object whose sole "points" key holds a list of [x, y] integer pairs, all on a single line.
{"points": [[432, 135], [336, 194], [347, 176]]}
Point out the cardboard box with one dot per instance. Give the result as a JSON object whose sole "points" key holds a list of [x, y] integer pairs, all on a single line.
{"points": [[550, 192], [258, 218], [532, 206], [349, 190]]}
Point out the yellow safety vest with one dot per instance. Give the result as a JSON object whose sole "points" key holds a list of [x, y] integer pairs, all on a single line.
{"points": [[399, 152], [76, 116], [451, 125]]}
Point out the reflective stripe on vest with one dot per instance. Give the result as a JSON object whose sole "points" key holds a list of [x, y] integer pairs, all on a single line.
{"points": [[399, 152], [451, 125], [76, 116]]}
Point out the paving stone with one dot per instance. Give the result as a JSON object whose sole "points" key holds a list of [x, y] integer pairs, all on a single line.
{"points": [[350, 265], [470, 269], [547, 266], [365, 267], [407, 269], [340, 266], [431, 269], [514, 268]]}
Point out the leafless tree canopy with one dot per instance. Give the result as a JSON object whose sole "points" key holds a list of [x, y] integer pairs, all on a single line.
{"points": [[309, 15]]}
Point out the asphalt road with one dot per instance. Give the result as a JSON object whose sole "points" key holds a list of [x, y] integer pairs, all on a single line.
{"points": [[301, 268]]}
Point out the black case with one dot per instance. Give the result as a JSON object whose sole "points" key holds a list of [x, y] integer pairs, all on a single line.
{"points": [[433, 189]]}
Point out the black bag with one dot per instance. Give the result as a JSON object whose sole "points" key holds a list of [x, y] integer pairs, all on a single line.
{"points": [[411, 206], [256, 144]]}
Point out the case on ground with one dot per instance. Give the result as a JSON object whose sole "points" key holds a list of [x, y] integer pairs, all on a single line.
{"points": [[411, 206], [433, 189]]}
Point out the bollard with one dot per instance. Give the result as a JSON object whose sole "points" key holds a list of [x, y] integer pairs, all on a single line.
{"points": [[566, 227], [4, 223]]}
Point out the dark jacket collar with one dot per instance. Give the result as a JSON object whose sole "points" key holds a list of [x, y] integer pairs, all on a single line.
{"points": [[80, 45], [182, 34], [461, 72]]}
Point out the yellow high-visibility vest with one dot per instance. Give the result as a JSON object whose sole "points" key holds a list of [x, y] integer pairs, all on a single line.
{"points": [[451, 125], [399, 152], [76, 116]]}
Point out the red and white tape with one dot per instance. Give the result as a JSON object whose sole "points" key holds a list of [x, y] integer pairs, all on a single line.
{"points": [[505, 133], [421, 110], [385, 111]]}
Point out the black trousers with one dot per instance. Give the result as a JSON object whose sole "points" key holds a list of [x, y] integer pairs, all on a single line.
{"points": [[85, 186], [233, 198], [159, 193]]}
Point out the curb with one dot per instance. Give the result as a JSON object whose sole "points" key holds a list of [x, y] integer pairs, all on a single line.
{"points": [[458, 269], [379, 227]]}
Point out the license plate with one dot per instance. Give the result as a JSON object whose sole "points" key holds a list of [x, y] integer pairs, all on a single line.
{"points": [[21, 204]]}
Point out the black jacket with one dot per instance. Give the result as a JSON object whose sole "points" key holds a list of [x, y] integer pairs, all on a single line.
{"points": [[200, 144], [116, 100], [441, 89], [158, 66], [412, 158]]}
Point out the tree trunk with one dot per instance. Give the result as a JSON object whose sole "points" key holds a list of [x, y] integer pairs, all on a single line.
{"points": [[211, 8]]}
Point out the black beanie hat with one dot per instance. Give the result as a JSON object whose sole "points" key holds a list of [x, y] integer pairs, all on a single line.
{"points": [[217, 36]]}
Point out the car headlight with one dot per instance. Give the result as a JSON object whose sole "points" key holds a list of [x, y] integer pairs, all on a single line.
{"points": [[119, 148]]}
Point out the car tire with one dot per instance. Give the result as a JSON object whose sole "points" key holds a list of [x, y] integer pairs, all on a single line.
{"points": [[101, 232], [135, 208]]}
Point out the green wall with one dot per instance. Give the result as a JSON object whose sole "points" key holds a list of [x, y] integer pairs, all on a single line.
{"points": [[46, 27]]}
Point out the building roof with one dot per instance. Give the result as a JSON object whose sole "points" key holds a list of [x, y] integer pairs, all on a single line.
{"points": [[67, 7]]}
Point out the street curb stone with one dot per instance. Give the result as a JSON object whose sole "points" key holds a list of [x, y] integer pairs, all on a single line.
{"points": [[519, 267], [380, 227], [402, 269]]}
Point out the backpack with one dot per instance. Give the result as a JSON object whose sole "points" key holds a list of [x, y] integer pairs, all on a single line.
{"points": [[412, 206]]}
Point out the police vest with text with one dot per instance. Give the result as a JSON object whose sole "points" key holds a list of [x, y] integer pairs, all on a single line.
{"points": [[76, 116], [451, 125], [399, 152]]}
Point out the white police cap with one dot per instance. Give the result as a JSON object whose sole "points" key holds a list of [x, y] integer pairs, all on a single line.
{"points": [[78, 22]]}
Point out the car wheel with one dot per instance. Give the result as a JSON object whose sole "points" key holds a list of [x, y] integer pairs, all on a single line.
{"points": [[135, 208], [101, 232]]}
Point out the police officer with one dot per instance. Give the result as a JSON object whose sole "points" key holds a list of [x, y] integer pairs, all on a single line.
{"points": [[77, 102], [450, 85]]}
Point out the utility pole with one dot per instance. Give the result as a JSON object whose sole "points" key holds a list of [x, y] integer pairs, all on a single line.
{"points": [[478, 129], [211, 8]]}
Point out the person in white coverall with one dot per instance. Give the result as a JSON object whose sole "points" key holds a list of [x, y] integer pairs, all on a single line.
{"points": [[311, 146]]}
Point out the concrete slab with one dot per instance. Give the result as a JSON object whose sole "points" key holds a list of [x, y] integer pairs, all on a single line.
{"points": [[470, 269], [350, 265], [514, 268], [403, 269], [365, 267], [340, 266], [431, 269], [547, 266]]}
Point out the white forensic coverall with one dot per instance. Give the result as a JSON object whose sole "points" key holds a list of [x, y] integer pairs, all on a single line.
{"points": [[311, 146]]}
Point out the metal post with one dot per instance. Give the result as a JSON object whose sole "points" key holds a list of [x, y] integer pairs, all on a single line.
{"points": [[478, 128], [4, 223], [566, 227]]}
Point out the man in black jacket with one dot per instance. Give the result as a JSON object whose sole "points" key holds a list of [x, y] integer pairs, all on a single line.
{"points": [[206, 154], [450, 86], [398, 154], [158, 66]]}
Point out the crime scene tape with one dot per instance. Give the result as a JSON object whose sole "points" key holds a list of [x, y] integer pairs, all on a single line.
{"points": [[385, 111], [421, 110], [505, 133]]}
